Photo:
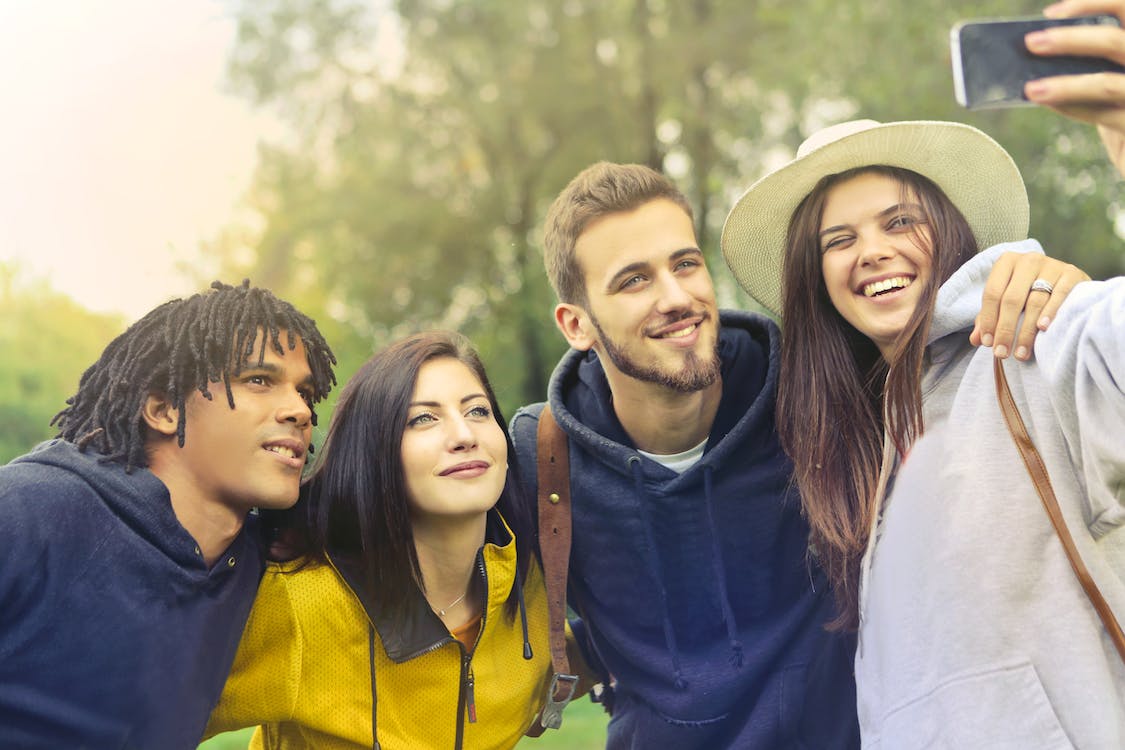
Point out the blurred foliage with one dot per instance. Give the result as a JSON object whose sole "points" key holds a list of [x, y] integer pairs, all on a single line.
{"points": [[427, 138], [48, 340], [424, 139]]}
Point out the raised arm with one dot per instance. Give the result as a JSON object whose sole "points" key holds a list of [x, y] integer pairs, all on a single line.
{"points": [[1082, 359], [1097, 98]]}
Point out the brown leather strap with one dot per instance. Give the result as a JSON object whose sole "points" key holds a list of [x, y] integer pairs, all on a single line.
{"points": [[554, 529], [1038, 471], [554, 548]]}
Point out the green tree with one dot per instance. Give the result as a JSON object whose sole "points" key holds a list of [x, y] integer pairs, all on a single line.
{"points": [[48, 341], [427, 140]]}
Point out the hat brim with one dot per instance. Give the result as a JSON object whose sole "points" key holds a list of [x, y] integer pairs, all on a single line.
{"points": [[973, 170]]}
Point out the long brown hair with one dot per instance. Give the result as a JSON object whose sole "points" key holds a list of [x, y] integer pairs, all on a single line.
{"points": [[839, 393]]}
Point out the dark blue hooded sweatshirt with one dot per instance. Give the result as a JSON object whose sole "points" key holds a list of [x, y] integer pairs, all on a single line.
{"points": [[113, 632], [696, 590]]}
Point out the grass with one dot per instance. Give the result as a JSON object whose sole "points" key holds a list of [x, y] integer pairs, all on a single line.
{"points": [[239, 740], [583, 728]]}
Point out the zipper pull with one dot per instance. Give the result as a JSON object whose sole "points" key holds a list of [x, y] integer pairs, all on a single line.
{"points": [[470, 701]]}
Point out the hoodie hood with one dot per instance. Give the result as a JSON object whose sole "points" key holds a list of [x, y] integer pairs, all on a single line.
{"points": [[695, 590], [116, 631], [583, 405], [681, 546], [139, 499]]}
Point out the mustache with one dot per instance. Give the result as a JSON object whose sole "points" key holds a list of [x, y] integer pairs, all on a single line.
{"points": [[666, 320]]}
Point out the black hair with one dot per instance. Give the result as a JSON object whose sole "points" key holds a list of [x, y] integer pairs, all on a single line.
{"points": [[182, 346], [355, 503]]}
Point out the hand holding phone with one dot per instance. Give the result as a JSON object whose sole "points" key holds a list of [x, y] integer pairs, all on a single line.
{"points": [[1096, 99], [992, 64]]}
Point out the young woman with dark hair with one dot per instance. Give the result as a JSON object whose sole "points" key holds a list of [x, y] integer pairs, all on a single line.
{"points": [[416, 615], [973, 630]]}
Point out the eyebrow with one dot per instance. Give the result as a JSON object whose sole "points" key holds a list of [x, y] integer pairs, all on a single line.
{"points": [[882, 214], [435, 404], [642, 265]]}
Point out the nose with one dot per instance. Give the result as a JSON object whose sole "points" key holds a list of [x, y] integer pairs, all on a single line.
{"points": [[874, 248], [295, 409], [460, 434], [672, 295]]}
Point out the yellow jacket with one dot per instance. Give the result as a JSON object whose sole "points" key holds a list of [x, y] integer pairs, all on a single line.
{"points": [[317, 667]]}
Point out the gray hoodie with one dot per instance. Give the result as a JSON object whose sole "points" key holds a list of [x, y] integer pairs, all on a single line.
{"points": [[974, 631]]}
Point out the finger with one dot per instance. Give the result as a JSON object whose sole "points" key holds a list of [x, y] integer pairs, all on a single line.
{"points": [[984, 329], [1095, 114], [1042, 306], [1072, 8], [1037, 300], [1084, 41], [1097, 91], [1070, 277], [1024, 272]]}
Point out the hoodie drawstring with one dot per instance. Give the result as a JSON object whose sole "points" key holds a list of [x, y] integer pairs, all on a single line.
{"points": [[374, 702], [523, 614], [669, 633], [720, 577]]}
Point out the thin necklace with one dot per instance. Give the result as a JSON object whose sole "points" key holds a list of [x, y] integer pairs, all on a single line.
{"points": [[441, 612]]}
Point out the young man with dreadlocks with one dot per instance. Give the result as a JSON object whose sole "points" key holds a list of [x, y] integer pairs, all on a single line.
{"points": [[128, 560]]}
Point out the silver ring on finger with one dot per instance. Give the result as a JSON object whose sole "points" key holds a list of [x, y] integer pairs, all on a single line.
{"points": [[1042, 285]]}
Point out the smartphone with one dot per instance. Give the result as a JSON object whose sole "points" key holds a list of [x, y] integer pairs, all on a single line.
{"points": [[991, 64]]}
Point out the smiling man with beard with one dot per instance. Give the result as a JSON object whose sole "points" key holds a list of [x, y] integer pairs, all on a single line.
{"points": [[689, 563]]}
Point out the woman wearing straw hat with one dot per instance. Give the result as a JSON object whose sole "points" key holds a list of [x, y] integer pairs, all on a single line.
{"points": [[974, 631]]}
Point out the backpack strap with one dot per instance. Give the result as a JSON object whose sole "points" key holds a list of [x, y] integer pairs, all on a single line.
{"points": [[553, 459], [1038, 471]]}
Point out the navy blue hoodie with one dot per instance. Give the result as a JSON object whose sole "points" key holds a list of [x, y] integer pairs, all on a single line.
{"points": [[113, 632], [696, 589]]}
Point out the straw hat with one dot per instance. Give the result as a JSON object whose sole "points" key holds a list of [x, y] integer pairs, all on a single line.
{"points": [[975, 172]]}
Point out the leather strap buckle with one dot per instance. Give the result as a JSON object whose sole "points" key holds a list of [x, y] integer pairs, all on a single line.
{"points": [[551, 716]]}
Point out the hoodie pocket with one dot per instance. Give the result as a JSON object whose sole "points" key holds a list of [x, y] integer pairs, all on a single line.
{"points": [[1004, 706]]}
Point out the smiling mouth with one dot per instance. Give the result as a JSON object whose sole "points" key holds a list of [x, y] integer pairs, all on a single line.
{"points": [[282, 450], [287, 449], [887, 285], [679, 334]]}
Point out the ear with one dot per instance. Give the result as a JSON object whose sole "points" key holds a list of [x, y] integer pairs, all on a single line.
{"points": [[575, 324], [160, 415]]}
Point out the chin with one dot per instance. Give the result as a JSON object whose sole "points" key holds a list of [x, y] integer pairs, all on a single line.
{"points": [[278, 502]]}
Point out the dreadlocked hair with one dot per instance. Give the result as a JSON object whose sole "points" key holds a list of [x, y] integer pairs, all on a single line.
{"points": [[179, 347]]}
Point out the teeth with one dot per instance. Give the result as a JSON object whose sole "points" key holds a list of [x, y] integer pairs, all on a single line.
{"points": [[282, 450], [898, 282], [681, 333]]}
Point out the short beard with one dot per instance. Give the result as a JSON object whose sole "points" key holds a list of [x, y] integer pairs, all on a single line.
{"points": [[696, 374]]}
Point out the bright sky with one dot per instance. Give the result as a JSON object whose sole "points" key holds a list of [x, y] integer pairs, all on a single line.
{"points": [[120, 150]]}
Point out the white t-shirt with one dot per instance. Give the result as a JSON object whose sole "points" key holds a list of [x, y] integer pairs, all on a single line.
{"points": [[678, 462]]}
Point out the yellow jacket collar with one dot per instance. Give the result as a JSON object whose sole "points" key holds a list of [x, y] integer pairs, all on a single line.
{"points": [[417, 630]]}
